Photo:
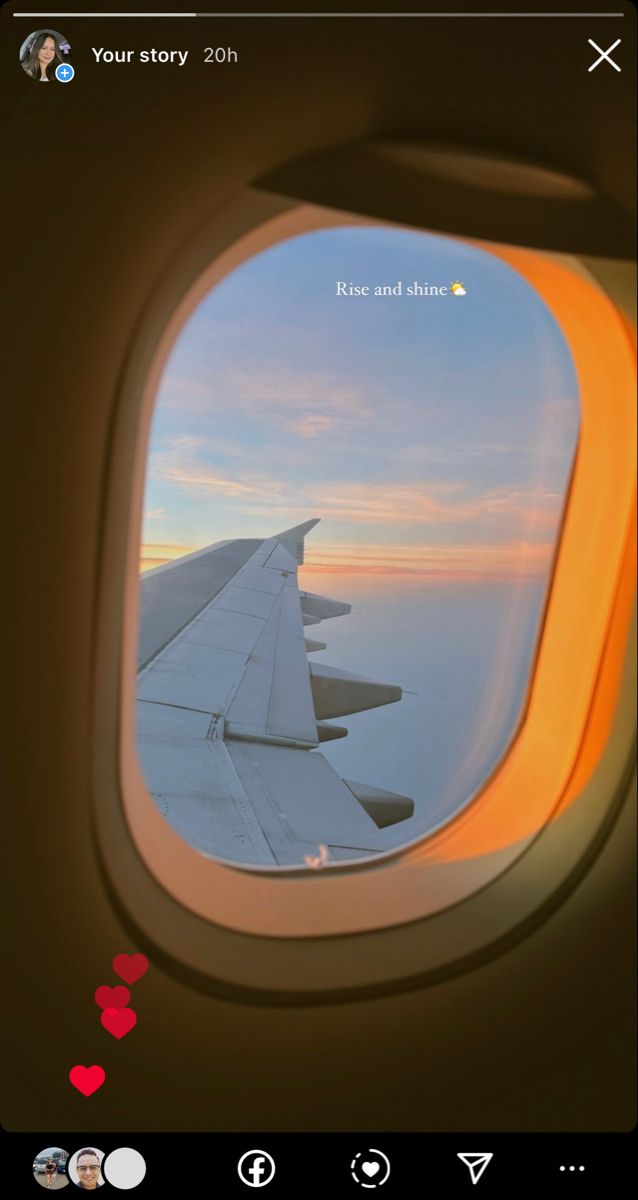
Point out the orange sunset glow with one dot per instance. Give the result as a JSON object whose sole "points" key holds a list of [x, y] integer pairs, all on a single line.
{"points": [[508, 560]]}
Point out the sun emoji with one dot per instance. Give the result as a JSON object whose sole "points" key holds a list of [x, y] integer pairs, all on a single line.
{"points": [[458, 289]]}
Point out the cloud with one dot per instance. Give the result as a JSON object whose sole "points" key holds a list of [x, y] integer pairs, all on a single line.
{"points": [[311, 426], [434, 504], [420, 453], [283, 388], [199, 479], [155, 554], [202, 480], [459, 561], [187, 442], [319, 402], [506, 512], [534, 508]]}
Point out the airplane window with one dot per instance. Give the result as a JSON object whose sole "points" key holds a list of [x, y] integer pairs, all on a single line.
{"points": [[356, 478]]}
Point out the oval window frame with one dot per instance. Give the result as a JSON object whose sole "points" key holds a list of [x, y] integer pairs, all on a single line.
{"points": [[200, 914]]}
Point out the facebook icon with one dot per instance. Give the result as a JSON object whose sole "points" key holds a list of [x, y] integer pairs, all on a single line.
{"points": [[256, 1168]]}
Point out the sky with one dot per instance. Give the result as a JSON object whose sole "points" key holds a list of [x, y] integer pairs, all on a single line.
{"points": [[433, 435]]}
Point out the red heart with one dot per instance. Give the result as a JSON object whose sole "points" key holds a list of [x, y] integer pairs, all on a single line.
{"points": [[108, 997], [87, 1080], [119, 1021], [130, 967]]}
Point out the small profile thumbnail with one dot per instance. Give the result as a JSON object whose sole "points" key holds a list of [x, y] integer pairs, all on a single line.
{"points": [[41, 53], [85, 1168], [49, 1168]]}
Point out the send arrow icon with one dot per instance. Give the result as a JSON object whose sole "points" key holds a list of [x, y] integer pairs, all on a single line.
{"points": [[476, 1163]]}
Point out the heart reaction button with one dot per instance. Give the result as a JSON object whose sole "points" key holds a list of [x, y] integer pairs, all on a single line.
{"points": [[87, 1080], [119, 1021], [130, 967], [112, 997], [370, 1168]]}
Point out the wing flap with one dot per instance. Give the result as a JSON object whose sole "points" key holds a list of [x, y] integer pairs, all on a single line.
{"points": [[193, 676], [246, 801], [228, 710]]}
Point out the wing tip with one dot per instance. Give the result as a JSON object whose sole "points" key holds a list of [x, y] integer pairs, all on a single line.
{"points": [[298, 531], [293, 539]]}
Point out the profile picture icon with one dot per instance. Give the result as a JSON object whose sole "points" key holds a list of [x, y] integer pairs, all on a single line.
{"points": [[42, 53], [85, 1168], [49, 1168]]}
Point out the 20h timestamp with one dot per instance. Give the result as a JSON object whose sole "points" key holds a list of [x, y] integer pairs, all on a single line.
{"points": [[220, 54]]}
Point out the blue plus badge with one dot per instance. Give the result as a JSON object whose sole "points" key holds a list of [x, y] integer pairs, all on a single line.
{"points": [[64, 73]]}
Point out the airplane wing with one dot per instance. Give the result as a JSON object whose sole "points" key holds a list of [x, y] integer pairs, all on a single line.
{"points": [[230, 712]]}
